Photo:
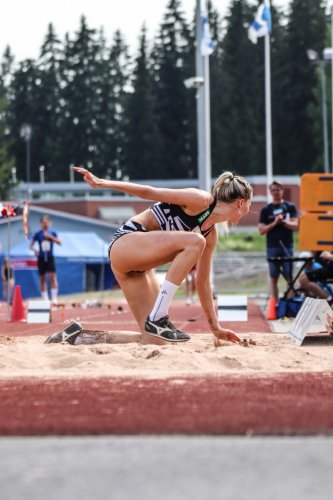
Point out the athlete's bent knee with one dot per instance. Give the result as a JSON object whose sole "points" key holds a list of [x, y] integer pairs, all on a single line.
{"points": [[198, 242]]}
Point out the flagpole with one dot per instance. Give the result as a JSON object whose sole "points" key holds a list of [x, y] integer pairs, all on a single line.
{"points": [[208, 167], [203, 109], [324, 113], [268, 111], [200, 97], [332, 79]]}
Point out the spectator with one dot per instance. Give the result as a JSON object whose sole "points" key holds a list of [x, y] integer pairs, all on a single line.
{"points": [[278, 220], [46, 264], [8, 282], [314, 279]]}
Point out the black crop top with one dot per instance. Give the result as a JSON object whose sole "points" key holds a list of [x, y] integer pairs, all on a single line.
{"points": [[173, 218]]}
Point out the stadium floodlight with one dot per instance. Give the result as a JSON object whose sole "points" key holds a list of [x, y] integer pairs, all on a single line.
{"points": [[312, 55], [328, 54], [195, 82]]}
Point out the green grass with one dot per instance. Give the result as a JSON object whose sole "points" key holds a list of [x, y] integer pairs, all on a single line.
{"points": [[244, 242], [250, 241]]}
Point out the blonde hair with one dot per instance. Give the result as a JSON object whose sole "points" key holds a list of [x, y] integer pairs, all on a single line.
{"points": [[230, 187]]}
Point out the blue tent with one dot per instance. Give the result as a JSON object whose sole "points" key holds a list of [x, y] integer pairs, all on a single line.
{"points": [[81, 261]]}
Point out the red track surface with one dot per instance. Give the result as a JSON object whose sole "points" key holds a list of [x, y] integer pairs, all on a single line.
{"points": [[286, 404]]}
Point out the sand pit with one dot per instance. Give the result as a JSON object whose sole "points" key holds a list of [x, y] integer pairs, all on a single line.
{"points": [[272, 354]]}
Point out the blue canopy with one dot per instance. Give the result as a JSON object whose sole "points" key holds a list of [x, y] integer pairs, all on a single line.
{"points": [[81, 262], [83, 247]]}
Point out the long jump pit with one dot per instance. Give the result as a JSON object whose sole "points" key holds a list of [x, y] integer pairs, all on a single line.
{"points": [[267, 386]]}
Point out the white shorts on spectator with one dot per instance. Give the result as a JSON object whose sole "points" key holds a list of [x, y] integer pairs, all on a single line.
{"points": [[232, 307], [315, 316], [39, 311]]}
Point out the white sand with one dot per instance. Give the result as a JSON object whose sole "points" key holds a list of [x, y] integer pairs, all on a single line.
{"points": [[273, 353]]}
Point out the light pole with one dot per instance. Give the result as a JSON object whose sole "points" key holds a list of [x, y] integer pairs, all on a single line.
{"points": [[26, 134], [324, 112], [313, 56], [42, 174], [328, 56], [14, 178], [71, 173]]}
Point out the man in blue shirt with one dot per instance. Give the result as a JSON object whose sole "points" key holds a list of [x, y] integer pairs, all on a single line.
{"points": [[278, 220], [46, 265]]}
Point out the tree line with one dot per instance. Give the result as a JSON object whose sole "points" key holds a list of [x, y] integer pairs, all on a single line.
{"points": [[89, 102]]}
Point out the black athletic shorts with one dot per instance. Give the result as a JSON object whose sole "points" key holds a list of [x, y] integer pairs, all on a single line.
{"points": [[321, 274], [46, 266]]}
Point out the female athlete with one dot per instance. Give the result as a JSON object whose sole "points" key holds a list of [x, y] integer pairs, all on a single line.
{"points": [[180, 229]]}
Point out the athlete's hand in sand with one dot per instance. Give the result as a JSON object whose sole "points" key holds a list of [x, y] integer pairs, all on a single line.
{"points": [[89, 178], [225, 334]]}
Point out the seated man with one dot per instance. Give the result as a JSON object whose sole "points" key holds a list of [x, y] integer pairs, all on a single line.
{"points": [[314, 279]]}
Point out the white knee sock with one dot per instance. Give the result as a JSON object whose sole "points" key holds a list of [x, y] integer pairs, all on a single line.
{"points": [[163, 300], [54, 295], [45, 295]]}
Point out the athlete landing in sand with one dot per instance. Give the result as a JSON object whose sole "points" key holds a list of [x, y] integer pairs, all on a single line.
{"points": [[181, 229]]}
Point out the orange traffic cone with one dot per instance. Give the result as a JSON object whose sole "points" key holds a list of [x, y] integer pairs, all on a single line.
{"points": [[271, 313], [18, 311]]}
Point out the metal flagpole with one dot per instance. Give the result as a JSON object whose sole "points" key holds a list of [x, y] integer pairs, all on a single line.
{"points": [[324, 113], [207, 182], [268, 109], [332, 79], [203, 108], [200, 96]]}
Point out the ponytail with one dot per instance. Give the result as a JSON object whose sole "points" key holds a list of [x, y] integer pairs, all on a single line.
{"points": [[230, 187]]}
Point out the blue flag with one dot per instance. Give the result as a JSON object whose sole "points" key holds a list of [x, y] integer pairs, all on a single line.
{"points": [[262, 24], [207, 44]]}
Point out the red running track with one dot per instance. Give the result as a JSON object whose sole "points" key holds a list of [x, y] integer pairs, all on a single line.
{"points": [[282, 405]]}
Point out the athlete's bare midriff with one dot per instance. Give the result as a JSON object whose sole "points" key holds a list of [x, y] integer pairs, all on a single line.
{"points": [[147, 220]]}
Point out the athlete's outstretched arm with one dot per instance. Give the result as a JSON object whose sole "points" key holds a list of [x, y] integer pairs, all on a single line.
{"points": [[205, 292], [190, 197]]}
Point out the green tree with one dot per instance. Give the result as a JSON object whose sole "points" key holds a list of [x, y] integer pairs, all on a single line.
{"points": [[25, 108], [80, 99], [278, 80], [50, 114], [6, 165], [173, 56], [113, 98], [6, 161], [143, 138], [305, 30], [241, 96]]}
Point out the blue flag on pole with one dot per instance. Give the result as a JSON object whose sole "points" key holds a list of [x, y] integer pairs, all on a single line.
{"points": [[262, 24], [207, 44]]}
